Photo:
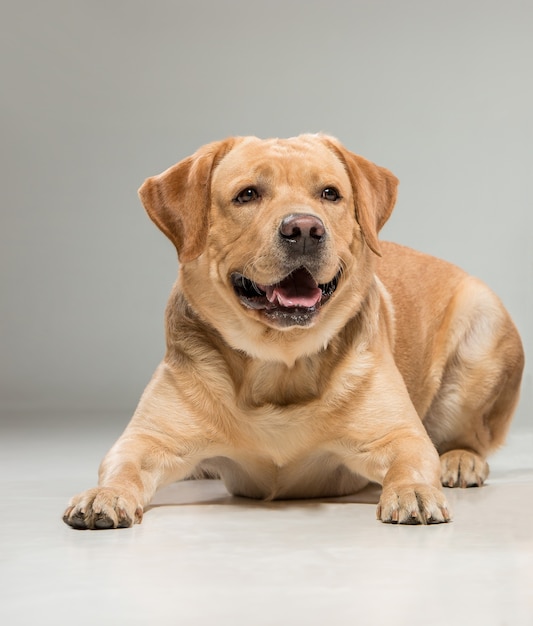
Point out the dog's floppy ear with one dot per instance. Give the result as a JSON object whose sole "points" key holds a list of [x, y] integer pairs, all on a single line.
{"points": [[374, 189], [178, 200]]}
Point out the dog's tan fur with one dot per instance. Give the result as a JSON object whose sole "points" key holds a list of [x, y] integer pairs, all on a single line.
{"points": [[409, 359]]}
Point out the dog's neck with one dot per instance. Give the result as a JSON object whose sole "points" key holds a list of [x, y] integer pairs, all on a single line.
{"points": [[267, 366]]}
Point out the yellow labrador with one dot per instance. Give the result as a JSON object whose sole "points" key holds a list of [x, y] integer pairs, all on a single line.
{"points": [[305, 357]]}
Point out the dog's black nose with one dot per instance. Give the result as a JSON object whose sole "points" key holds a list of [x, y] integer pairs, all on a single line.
{"points": [[303, 232]]}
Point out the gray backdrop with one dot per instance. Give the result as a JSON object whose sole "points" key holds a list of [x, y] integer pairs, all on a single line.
{"points": [[99, 94]]}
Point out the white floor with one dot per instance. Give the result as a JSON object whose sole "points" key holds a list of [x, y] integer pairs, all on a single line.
{"points": [[201, 557]]}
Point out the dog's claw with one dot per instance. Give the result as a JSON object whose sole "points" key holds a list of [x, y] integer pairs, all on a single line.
{"points": [[418, 504], [102, 508]]}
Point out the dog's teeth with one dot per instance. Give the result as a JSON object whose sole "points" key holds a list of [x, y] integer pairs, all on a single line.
{"points": [[329, 288]]}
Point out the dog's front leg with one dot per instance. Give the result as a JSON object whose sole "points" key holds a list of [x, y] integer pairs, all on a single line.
{"points": [[386, 442], [161, 444], [412, 492], [139, 463], [407, 464]]}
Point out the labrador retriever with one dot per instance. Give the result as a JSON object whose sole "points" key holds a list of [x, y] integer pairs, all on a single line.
{"points": [[305, 357]]}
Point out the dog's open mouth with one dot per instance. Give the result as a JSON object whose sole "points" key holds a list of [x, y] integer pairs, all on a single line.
{"points": [[294, 301]]}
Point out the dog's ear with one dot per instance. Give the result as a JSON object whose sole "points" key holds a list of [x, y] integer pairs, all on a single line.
{"points": [[179, 199], [374, 189]]}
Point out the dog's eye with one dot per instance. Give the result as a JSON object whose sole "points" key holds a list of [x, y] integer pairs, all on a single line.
{"points": [[330, 194], [247, 195]]}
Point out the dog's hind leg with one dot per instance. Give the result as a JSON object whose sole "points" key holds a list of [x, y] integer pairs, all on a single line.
{"points": [[480, 381]]}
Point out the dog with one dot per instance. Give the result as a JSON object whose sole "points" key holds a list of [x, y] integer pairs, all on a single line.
{"points": [[305, 357]]}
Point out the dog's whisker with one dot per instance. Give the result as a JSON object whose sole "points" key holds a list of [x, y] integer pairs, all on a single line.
{"points": [[256, 289]]}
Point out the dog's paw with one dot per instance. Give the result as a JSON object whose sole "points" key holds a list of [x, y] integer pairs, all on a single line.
{"points": [[100, 508], [461, 468], [412, 504]]}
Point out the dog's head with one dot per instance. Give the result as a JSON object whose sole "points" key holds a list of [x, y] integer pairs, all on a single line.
{"points": [[270, 233]]}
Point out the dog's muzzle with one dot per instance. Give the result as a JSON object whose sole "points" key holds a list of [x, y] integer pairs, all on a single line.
{"points": [[296, 299]]}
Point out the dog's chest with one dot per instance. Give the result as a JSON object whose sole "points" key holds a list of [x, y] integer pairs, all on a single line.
{"points": [[269, 411], [282, 416], [275, 385], [281, 433]]}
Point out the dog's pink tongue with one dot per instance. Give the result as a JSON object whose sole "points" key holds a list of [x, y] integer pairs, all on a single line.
{"points": [[299, 289]]}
